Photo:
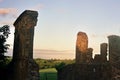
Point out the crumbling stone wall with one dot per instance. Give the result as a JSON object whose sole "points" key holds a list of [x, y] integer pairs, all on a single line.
{"points": [[114, 56], [102, 57], [85, 71], [23, 65], [87, 68]]}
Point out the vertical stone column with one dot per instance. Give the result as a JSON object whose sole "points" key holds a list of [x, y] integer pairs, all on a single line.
{"points": [[24, 66], [89, 55], [81, 47], [103, 51], [114, 55]]}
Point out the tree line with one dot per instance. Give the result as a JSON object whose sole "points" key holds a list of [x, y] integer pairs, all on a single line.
{"points": [[53, 63]]}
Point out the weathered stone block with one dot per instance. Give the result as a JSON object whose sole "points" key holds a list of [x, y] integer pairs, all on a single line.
{"points": [[81, 47]]}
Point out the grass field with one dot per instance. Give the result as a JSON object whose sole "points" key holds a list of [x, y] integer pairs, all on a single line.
{"points": [[48, 74]]}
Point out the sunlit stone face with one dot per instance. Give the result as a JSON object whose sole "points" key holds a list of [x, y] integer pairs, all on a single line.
{"points": [[82, 42]]}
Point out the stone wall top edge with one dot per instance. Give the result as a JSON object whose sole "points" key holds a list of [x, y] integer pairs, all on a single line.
{"points": [[113, 36], [31, 13]]}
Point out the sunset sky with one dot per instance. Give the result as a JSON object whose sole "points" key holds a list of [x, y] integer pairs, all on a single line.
{"points": [[59, 22]]}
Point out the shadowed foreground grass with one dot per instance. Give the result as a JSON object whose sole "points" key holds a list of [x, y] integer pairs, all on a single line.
{"points": [[48, 74]]}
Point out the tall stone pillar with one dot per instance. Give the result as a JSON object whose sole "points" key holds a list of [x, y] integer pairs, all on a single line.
{"points": [[24, 67], [81, 47], [103, 51], [114, 55]]}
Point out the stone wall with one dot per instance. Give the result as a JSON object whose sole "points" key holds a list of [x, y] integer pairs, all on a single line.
{"points": [[114, 56], [85, 67], [23, 67], [85, 72]]}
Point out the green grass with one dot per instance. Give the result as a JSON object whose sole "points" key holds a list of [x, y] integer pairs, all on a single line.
{"points": [[48, 74]]}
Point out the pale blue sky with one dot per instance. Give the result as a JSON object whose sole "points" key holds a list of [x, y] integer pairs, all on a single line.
{"points": [[59, 21]]}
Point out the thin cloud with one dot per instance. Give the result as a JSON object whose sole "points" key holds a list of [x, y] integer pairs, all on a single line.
{"points": [[53, 51], [54, 54], [8, 11]]}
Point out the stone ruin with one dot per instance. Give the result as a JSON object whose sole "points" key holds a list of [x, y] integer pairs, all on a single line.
{"points": [[103, 56], [23, 67], [99, 68], [114, 56], [81, 47]]}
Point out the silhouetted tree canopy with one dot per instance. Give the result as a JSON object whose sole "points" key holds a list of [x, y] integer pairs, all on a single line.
{"points": [[4, 33]]}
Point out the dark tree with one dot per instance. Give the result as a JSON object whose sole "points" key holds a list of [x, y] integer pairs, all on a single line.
{"points": [[4, 33]]}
